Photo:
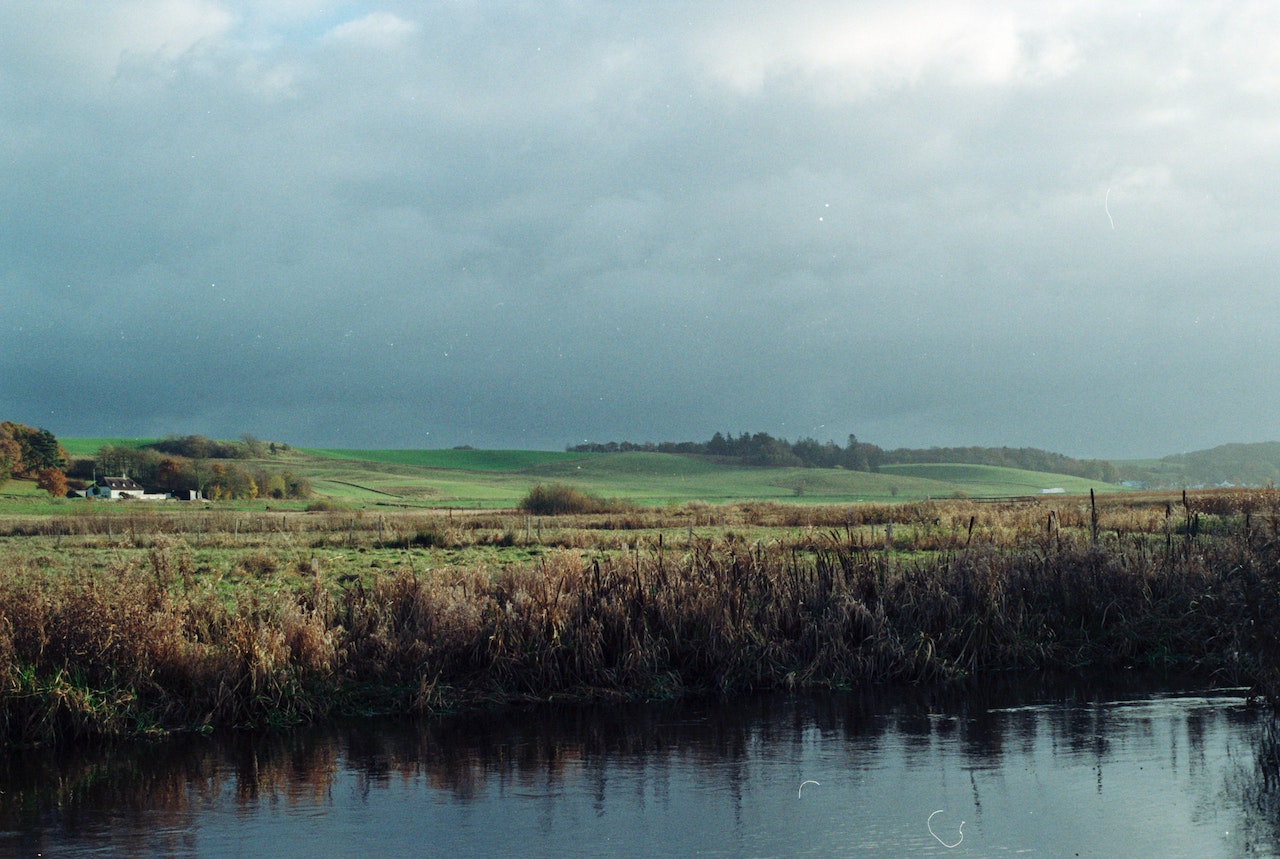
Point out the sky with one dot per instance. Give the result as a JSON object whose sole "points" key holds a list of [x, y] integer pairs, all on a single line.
{"points": [[531, 224]]}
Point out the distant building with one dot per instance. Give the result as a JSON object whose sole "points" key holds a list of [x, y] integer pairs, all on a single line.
{"points": [[121, 489], [114, 488]]}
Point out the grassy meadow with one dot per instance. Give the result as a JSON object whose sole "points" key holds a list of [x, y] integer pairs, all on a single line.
{"points": [[89, 446], [137, 619], [497, 479]]}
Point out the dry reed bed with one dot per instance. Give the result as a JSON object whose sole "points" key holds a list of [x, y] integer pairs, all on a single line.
{"points": [[151, 646], [140, 525]]}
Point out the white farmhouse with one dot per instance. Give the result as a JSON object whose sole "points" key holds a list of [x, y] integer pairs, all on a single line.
{"points": [[121, 488]]}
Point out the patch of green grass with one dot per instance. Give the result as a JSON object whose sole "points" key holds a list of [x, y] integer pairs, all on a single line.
{"points": [[90, 446], [644, 478], [22, 489], [991, 480], [636, 463], [656, 478], [455, 460]]}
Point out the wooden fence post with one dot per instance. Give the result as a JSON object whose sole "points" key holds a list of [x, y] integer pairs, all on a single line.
{"points": [[1093, 517]]}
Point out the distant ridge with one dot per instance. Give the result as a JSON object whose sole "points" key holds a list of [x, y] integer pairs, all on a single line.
{"points": [[1239, 464], [762, 449], [1233, 464]]}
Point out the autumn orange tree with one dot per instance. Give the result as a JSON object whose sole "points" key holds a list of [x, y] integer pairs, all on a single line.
{"points": [[229, 481], [26, 451], [53, 481], [10, 459]]}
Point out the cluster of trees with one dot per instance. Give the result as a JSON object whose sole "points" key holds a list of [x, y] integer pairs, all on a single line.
{"points": [[764, 450], [34, 454], [156, 467], [199, 447], [169, 465]]}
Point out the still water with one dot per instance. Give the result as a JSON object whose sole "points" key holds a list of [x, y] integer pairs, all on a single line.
{"points": [[1029, 772]]}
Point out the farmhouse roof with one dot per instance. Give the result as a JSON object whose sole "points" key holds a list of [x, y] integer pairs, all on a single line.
{"points": [[120, 484]]}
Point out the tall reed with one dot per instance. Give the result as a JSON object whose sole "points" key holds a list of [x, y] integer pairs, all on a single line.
{"points": [[152, 646]]}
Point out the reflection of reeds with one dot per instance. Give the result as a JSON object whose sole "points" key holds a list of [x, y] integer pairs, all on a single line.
{"points": [[164, 790], [957, 591]]}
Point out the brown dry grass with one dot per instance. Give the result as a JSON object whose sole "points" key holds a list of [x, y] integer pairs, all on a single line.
{"points": [[770, 597]]}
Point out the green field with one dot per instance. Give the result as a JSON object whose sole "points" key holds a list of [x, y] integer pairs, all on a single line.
{"points": [[500, 478], [990, 480], [478, 478], [465, 460], [90, 446]]}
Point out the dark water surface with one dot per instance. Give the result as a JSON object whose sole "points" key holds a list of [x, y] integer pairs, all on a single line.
{"points": [[1056, 771]]}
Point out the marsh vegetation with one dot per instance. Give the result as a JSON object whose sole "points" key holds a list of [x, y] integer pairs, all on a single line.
{"points": [[126, 619]]}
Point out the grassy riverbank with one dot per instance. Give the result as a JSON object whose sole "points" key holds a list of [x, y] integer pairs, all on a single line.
{"points": [[160, 621]]}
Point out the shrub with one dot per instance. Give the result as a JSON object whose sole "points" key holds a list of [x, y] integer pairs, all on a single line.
{"points": [[323, 505], [423, 538], [558, 500], [258, 564]]}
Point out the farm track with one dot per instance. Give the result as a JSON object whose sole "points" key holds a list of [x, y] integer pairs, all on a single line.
{"points": [[365, 488]]}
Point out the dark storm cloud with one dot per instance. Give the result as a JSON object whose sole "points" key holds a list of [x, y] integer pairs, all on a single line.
{"points": [[429, 224]]}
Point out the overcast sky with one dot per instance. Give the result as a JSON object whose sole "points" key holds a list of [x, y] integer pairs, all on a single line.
{"points": [[526, 224]]}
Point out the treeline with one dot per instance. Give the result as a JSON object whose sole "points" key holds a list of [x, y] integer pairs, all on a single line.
{"points": [[193, 462], [762, 449], [199, 447], [172, 464], [32, 453], [758, 449]]}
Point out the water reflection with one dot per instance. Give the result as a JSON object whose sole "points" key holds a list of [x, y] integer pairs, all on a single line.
{"points": [[1052, 770]]}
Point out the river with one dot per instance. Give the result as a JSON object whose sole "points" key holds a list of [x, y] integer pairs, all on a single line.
{"points": [[1048, 770]]}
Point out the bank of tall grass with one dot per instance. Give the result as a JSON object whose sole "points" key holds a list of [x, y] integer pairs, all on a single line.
{"points": [[149, 644]]}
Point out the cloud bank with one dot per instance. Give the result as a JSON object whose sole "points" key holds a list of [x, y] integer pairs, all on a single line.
{"points": [[525, 225]]}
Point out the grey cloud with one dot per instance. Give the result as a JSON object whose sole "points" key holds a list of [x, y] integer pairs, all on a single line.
{"points": [[441, 224]]}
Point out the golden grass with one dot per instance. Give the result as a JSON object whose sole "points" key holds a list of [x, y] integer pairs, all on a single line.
{"points": [[622, 605]]}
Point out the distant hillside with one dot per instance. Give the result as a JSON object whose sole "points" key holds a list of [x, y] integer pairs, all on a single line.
{"points": [[501, 478], [762, 449], [478, 478], [1023, 458], [1236, 464], [462, 459]]}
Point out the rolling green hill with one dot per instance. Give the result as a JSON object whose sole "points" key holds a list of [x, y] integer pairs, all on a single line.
{"points": [[465, 459], [476, 478], [90, 446], [992, 480], [500, 478]]}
